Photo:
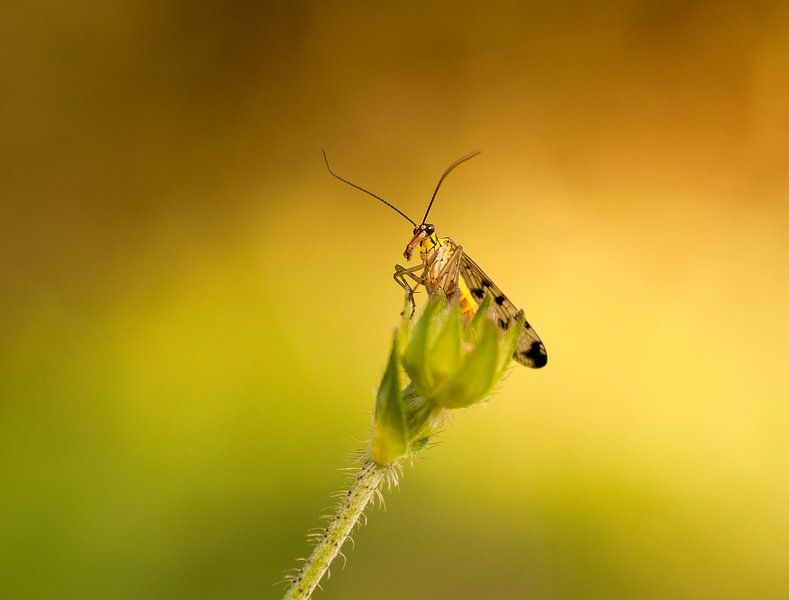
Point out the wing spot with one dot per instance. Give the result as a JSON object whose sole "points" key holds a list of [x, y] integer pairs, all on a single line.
{"points": [[477, 293], [505, 325], [536, 354], [500, 299], [486, 283]]}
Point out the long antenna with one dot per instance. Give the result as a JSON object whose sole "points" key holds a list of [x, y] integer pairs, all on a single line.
{"points": [[462, 159], [393, 207]]}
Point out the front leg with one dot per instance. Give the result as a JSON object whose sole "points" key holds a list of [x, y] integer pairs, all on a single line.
{"points": [[400, 275]]}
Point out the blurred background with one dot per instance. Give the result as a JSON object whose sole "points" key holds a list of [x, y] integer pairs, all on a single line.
{"points": [[194, 315]]}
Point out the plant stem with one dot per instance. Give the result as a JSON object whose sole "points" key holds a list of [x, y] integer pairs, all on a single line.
{"points": [[352, 506]]}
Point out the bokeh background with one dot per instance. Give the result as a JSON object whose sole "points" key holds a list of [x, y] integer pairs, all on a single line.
{"points": [[194, 315]]}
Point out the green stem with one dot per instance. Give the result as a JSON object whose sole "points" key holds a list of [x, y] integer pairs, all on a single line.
{"points": [[364, 487]]}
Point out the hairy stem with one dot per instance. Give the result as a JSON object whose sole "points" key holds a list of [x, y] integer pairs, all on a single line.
{"points": [[351, 507]]}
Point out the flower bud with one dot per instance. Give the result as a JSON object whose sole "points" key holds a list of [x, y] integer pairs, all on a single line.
{"points": [[450, 366]]}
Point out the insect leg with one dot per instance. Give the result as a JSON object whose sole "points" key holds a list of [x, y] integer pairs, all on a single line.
{"points": [[400, 275], [402, 272]]}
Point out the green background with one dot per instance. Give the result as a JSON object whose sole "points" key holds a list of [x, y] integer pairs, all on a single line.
{"points": [[194, 316]]}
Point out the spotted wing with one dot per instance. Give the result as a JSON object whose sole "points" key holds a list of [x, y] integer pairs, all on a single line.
{"points": [[530, 351]]}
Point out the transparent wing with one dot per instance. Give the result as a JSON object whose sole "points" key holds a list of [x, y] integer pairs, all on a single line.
{"points": [[530, 350]]}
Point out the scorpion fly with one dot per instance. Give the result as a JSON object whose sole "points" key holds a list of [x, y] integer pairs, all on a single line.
{"points": [[446, 267]]}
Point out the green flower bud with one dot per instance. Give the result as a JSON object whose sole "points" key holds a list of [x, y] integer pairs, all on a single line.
{"points": [[450, 366], [473, 378], [453, 367]]}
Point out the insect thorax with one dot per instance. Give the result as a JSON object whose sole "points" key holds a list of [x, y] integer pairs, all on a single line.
{"points": [[440, 273]]}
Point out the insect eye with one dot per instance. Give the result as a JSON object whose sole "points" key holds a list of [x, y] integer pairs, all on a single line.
{"points": [[429, 229]]}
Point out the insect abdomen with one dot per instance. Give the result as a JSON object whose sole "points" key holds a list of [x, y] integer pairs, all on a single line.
{"points": [[468, 304]]}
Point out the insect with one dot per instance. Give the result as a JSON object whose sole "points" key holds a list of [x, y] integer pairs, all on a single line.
{"points": [[445, 266]]}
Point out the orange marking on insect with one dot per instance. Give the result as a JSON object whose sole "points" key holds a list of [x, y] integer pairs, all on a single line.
{"points": [[468, 305]]}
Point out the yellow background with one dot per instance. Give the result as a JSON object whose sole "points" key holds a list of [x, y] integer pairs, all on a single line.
{"points": [[194, 316]]}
